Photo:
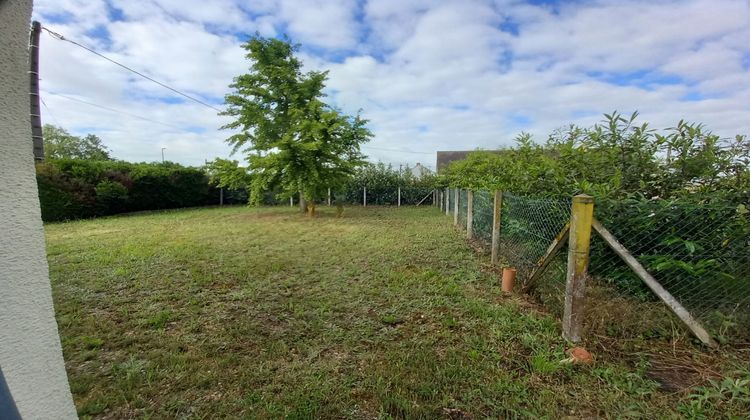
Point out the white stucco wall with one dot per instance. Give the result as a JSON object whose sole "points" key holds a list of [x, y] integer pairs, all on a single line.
{"points": [[30, 353]]}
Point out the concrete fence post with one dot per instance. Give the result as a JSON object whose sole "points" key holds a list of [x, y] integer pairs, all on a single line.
{"points": [[291, 201], [329, 197], [457, 195], [364, 197], [469, 214], [447, 201], [497, 213], [581, 219], [399, 196]]}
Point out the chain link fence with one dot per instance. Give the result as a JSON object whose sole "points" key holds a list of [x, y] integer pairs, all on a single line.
{"points": [[375, 196], [699, 254], [483, 212], [463, 199]]}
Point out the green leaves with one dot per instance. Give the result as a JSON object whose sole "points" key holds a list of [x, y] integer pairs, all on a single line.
{"points": [[59, 144], [294, 141], [617, 159]]}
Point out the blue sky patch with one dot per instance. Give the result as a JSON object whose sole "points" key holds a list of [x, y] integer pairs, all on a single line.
{"points": [[645, 79]]}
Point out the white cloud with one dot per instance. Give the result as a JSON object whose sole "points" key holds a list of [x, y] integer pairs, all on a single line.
{"points": [[322, 23], [429, 75]]}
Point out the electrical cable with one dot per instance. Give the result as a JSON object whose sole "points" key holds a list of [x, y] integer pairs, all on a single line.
{"points": [[117, 111], [62, 38]]}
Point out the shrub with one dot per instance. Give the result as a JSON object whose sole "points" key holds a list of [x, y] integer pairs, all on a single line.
{"points": [[111, 196], [77, 188]]}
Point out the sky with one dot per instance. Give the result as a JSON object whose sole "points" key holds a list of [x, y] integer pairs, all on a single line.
{"points": [[429, 75]]}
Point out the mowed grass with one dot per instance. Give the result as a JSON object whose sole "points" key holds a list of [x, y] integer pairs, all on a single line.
{"points": [[265, 313]]}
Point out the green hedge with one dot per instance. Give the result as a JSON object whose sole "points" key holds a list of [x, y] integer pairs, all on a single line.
{"points": [[77, 188]]}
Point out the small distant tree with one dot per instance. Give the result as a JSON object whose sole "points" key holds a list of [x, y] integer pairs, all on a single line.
{"points": [[295, 143], [60, 144]]}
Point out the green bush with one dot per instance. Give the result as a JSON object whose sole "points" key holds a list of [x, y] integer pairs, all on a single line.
{"points": [[78, 188], [111, 196]]}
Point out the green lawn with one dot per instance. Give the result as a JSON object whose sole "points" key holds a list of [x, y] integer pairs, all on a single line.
{"points": [[265, 313]]}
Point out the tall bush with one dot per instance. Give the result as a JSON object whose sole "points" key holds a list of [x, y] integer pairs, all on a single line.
{"points": [[78, 188]]}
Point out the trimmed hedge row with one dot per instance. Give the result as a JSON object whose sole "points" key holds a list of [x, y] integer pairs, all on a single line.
{"points": [[76, 188]]}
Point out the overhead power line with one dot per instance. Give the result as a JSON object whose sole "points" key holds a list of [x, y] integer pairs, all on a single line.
{"points": [[50, 112], [140, 117], [164, 85]]}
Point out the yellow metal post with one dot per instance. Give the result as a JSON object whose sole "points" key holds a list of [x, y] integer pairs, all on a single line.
{"points": [[579, 242]]}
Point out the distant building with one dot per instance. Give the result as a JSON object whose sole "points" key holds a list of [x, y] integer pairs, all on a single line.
{"points": [[419, 170]]}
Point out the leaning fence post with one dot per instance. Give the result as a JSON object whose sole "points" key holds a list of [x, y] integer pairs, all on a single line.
{"points": [[364, 197], [469, 214], [447, 201], [582, 215], [497, 212], [455, 206]]}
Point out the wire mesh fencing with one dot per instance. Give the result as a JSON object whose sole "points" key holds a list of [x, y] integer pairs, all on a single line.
{"points": [[462, 206], [699, 254], [528, 227], [378, 195], [483, 214]]}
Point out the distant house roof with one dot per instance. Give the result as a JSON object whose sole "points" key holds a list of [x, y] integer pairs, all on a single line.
{"points": [[446, 157]]}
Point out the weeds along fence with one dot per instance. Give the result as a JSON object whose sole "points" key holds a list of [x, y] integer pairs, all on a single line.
{"points": [[632, 268]]}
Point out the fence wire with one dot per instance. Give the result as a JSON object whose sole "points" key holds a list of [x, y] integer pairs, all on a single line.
{"points": [[529, 225], [700, 254], [463, 201], [482, 216]]}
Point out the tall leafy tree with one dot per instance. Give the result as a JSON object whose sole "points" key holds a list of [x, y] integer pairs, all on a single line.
{"points": [[60, 144], [294, 142]]}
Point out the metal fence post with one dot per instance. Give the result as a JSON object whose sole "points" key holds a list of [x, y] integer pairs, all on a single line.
{"points": [[469, 214], [497, 212], [455, 206], [447, 201], [364, 197], [581, 218]]}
